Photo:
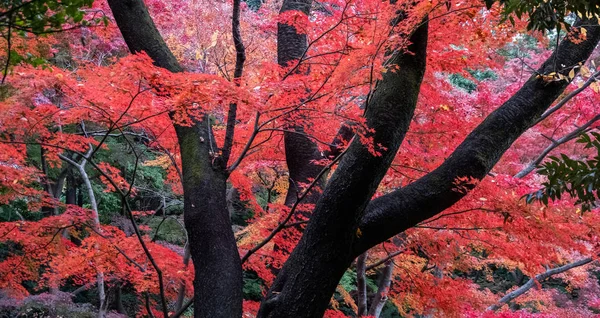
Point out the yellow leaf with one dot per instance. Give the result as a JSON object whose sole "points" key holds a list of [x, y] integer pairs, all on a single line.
{"points": [[213, 39], [572, 73], [585, 71], [358, 232], [595, 87]]}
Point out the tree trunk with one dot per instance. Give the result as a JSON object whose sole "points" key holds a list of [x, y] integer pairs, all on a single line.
{"points": [[96, 225], [218, 270], [71, 191], [383, 289], [300, 150], [309, 277], [361, 284], [118, 305], [217, 266]]}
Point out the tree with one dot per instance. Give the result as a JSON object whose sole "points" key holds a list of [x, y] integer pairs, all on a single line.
{"points": [[309, 277], [371, 56]]}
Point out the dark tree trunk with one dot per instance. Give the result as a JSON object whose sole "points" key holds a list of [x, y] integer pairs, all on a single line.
{"points": [[331, 241], [46, 210], [79, 196], [71, 192], [218, 271], [118, 305], [309, 277], [300, 150]]}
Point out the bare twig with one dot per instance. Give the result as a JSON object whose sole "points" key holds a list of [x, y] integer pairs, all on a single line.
{"points": [[282, 225], [248, 144], [568, 137], [567, 98], [538, 278], [384, 260]]}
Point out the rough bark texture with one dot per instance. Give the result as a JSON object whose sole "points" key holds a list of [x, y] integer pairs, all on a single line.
{"points": [[309, 277], [218, 279], [218, 271], [300, 150]]}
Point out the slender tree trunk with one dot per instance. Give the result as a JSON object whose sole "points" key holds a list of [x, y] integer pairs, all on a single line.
{"points": [[96, 218], [361, 284], [181, 292], [46, 210], [383, 290], [71, 191], [300, 150], [119, 300]]}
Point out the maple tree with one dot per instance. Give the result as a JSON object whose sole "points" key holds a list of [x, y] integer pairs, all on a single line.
{"points": [[297, 115]]}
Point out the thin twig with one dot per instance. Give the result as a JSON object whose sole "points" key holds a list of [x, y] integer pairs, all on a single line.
{"points": [[282, 225]]}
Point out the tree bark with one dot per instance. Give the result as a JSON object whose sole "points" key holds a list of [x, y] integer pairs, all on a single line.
{"points": [[361, 284], [218, 271], [309, 277], [300, 150], [383, 290], [217, 266], [476, 155]]}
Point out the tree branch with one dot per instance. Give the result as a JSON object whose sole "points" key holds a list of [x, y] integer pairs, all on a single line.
{"points": [[538, 278], [555, 143], [240, 58], [475, 156], [567, 98]]}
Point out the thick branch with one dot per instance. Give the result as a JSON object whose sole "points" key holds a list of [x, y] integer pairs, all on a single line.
{"points": [[475, 156], [140, 33]]}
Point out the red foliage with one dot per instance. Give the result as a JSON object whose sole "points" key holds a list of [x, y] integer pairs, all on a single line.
{"points": [[491, 228]]}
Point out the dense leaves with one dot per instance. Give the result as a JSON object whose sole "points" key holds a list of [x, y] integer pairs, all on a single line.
{"points": [[577, 178], [546, 15]]}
